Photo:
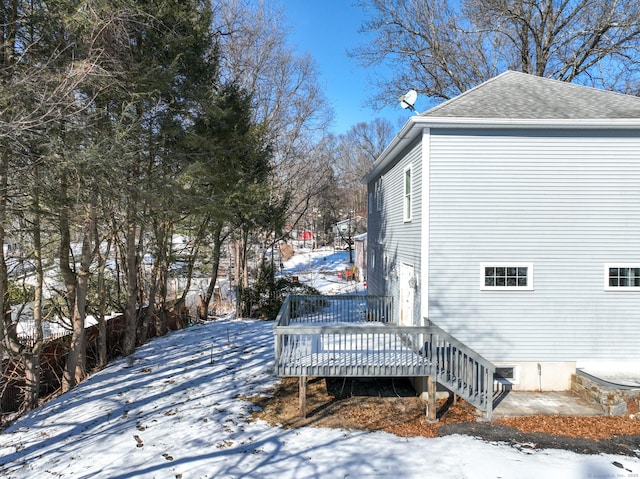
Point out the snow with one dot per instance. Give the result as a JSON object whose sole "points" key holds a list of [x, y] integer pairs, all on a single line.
{"points": [[177, 409], [320, 268], [621, 373]]}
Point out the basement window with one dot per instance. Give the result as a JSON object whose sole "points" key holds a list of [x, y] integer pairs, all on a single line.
{"points": [[622, 277], [506, 276], [506, 375]]}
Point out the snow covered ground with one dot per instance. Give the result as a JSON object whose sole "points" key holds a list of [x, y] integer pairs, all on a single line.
{"points": [[320, 268], [176, 409]]}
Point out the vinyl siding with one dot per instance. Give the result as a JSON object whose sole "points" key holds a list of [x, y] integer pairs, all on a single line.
{"points": [[389, 236], [566, 201]]}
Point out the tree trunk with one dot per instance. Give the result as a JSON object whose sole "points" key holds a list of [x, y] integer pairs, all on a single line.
{"points": [[193, 254], [32, 358], [75, 370], [131, 312], [102, 298], [218, 239], [151, 307], [31, 363], [7, 339], [242, 281], [8, 29], [68, 276]]}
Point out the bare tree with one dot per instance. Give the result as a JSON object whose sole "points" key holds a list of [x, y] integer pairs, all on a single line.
{"points": [[355, 153], [289, 110], [443, 48], [287, 97]]}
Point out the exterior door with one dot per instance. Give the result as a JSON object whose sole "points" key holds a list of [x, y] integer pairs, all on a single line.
{"points": [[406, 294]]}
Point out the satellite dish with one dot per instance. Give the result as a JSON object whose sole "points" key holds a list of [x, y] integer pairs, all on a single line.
{"points": [[408, 100]]}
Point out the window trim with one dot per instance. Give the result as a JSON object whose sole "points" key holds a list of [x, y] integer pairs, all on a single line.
{"points": [[607, 287], [407, 197], [506, 264]]}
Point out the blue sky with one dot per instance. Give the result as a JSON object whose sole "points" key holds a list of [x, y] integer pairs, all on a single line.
{"points": [[327, 29]]}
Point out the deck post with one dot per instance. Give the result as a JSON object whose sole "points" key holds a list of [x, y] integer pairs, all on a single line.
{"points": [[302, 389], [432, 404]]}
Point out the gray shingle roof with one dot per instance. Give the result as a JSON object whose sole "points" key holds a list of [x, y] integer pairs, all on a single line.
{"points": [[517, 95]]}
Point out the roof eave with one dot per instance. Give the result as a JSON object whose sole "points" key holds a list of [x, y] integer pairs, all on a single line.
{"points": [[414, 126], [406, 135]]}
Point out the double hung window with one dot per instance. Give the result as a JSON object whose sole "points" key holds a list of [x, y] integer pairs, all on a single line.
{"points": [[407, 194], [378, 194]]}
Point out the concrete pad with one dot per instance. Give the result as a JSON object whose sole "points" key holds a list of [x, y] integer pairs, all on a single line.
{"points": [[550, 403]]}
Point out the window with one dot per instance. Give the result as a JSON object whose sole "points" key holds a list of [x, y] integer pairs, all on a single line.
{"points": [[407, 194], [622, 277], [386, 266], [378, 194], [506, 375], [502, 276]]}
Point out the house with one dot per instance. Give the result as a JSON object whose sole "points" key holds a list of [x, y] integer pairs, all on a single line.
{"points": [[509, 217], [360, 256], [344, 231], [10, 248]]}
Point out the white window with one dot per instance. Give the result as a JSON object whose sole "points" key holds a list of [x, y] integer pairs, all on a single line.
{"points": [[378, 194], [622, 277], [407, 194], [506, 276], [373, 251], [386, 266]]}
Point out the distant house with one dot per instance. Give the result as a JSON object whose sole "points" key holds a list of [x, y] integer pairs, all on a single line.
{"points": [[360, 256], [9, 248], [509, 216], [344, 231]]}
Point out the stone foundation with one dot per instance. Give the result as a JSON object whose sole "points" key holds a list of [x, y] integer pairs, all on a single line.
{"points": [[615, 402]]}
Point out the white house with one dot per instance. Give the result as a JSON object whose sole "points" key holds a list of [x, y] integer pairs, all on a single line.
{"points": [[345, 231], [509, 216], [10, 248]]}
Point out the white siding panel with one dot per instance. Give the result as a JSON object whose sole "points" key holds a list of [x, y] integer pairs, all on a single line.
{"points": [[564, 201], [396, 240]]}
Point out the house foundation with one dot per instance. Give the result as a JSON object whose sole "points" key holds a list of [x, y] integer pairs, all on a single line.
{"points": [[535, 376], [519, 376]]}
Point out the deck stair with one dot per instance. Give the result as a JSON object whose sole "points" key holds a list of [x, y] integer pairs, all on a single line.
{"points": [[358, 336]]}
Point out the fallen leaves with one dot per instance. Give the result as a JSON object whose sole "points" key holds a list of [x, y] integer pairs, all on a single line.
{"points": [[405, 416], [588, 427]]}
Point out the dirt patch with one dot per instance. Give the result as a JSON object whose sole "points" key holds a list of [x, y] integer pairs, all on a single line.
{"points": [[391, 405]]}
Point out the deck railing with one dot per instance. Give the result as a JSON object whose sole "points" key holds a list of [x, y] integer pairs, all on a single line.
{"points": [[460, 369], [314, 309], [357, 336], [350, 351]]}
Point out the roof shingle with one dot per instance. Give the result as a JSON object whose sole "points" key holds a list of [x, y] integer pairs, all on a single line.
{"points": [[515, 95]]}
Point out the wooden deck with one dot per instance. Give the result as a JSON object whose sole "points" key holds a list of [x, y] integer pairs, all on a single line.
{"points": [[357, 336], [365, 349]]}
